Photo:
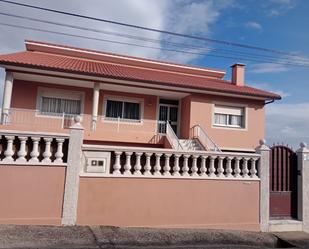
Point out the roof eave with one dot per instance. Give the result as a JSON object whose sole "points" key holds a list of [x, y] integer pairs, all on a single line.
{"points": [[242, 95]]}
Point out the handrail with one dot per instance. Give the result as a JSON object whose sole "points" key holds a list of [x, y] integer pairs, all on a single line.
{"points": [[205, 140], [172, 137]]}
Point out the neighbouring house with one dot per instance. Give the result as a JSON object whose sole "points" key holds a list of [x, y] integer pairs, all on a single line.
{"points": [[90, 137]]}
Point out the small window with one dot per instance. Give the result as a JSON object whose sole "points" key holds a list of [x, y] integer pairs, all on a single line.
{"points": [[123, 110], [229, 116]]}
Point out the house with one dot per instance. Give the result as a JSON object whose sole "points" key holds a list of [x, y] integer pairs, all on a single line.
{"points": [[94, 138], [129, 101]]}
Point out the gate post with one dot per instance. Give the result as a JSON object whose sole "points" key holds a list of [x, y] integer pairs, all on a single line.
{"points": [[303, 185], [69, 212], [264, 162]]}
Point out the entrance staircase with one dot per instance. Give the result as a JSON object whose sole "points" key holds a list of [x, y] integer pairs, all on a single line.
{"points": [[191, 144], [198, 141]]}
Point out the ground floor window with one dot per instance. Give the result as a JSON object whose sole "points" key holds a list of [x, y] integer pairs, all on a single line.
{"points": [[228, 116]]}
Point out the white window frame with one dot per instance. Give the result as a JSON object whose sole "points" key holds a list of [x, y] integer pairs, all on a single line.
{"points": [[58, 93], [244, 126], [140, 101]]}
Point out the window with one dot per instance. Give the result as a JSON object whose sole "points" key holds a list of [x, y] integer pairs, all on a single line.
{"points": [[229, 116], [59, 106], [56, 102], [122, 109]]}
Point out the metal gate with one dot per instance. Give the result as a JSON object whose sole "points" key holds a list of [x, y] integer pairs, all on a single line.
{"points": [[283, 182]]}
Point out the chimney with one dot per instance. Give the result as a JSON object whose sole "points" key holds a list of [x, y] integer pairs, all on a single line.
{"points": [[238, 74]]}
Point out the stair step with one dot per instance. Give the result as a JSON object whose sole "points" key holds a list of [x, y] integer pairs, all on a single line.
{"points": [[285, 225]]}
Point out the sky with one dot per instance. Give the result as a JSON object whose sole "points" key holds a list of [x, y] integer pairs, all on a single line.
{"points": [[272, 24]]}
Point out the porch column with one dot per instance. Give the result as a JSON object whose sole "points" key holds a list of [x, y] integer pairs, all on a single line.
{"points": [[303, 185], [263, 168], [7, 96], [95, 105]]}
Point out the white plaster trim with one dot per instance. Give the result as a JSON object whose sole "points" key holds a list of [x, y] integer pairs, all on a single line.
{"points": [[162, 150], [98, 175], [34, 133], [28, 163]]}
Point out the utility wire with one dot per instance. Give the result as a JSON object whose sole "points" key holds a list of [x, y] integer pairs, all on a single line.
{"points": [[144, 46], [140, 38], [148, 29]]}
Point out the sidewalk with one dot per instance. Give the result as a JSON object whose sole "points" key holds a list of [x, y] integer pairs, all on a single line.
{"points": [[113, 237]]}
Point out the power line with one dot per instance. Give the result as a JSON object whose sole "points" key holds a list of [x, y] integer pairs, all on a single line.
{"points": [[143, 46], [175, 44], [148, 29]]}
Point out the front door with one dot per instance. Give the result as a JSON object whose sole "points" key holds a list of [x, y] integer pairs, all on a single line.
{"points": [[168, 112]]}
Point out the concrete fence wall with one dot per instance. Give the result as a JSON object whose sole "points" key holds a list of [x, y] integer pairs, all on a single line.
{"points": [[181, 203], [31, 194], [137, 187]]}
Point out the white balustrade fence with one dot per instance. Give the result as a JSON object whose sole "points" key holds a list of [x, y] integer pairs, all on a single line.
{"points": [[146, 162], [33, 148]]}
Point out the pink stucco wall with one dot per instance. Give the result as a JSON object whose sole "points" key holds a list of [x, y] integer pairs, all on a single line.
{"points": [[169, 203], [31, 194], [200, 108], [106, 131], [195, 109]]}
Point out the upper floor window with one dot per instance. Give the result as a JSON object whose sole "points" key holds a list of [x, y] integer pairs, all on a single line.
{"points": [[229, 116], [122, 109], [56, 102]]}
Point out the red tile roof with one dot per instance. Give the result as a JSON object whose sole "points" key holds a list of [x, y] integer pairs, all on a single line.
{"points": [[91, 67]]}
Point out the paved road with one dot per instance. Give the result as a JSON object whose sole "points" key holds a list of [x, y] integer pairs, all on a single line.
{"points": [[78, 237]]}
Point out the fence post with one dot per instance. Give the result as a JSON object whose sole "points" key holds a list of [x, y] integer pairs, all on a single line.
{"points": [[264, 162], [72, 173], [303, 185]]}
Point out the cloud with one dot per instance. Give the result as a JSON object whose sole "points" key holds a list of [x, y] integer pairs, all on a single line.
{"points": [[269, 87], [261, 68], [254, 25], [276, 8], [192, 17], [287, 123], [282, 2]]}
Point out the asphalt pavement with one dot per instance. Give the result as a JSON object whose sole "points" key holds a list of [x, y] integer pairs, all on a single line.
{"points": [[78, 237]]}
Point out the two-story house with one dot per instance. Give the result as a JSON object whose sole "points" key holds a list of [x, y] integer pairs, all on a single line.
{"points": [[131, 101]]}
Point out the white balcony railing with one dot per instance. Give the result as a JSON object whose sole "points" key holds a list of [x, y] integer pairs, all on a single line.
{"points": [[146, 162], [19, 117]]}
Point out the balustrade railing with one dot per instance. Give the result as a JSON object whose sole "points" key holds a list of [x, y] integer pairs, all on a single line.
{"points": [[172, 137], [145, 162], [33, 148], [197, 132]]}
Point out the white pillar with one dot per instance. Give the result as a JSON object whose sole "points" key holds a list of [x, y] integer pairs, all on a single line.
{"points": [[7, 96], [95, 105], [74, 164], [264, 151], [303, 185]]}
